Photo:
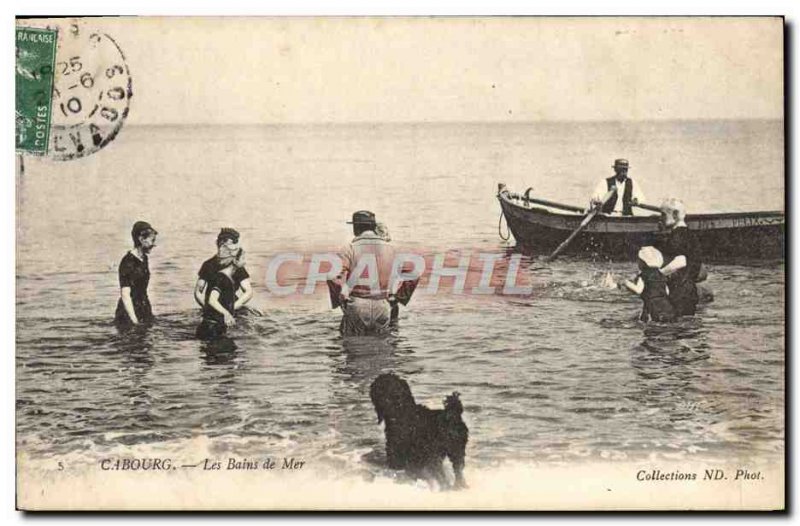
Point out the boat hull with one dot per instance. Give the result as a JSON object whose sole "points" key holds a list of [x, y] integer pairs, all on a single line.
{"points": [[728, 237]]}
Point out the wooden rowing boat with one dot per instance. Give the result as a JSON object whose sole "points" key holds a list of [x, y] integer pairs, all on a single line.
{"points": [[540, 226]]}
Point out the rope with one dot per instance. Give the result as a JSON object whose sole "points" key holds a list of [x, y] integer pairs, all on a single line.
{"points": [[500, 229]]}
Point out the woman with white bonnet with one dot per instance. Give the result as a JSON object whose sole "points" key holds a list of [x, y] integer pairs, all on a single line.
{"points": [[682, 258], [651, 286]]}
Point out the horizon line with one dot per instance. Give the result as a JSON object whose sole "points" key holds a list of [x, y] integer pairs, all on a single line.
{"points": [[462, 122]]}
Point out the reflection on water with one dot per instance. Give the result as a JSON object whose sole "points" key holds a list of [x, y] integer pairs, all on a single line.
{"points": [[218, 352], [668, 373]]}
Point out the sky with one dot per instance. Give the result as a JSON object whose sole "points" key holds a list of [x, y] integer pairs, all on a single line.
{"points": [[266, 70]]}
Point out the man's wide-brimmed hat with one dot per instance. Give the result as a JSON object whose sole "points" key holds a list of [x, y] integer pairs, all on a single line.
{"points": [[363, 217], [621, 163]]}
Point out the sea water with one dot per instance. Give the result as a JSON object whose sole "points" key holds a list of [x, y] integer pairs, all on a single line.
{"points": [[561, 377]]}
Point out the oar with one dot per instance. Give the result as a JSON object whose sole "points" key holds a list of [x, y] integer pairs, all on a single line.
{"points": [[552, 204], [586, 221], [648, 207]]}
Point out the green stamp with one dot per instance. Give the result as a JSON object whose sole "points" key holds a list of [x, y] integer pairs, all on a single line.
{"points": [[35, 64]]}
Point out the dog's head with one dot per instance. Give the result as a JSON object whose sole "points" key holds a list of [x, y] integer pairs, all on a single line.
{"points": [[391, 396], [452, 405]]}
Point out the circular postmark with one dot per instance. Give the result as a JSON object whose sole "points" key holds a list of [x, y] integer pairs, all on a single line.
{"points": [[91, 93]]}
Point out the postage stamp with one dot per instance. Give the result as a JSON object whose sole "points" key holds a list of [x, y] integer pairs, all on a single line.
{"points": [[35, 63]]}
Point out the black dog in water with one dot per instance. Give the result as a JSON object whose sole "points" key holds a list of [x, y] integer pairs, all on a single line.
{"points": [[418, 438]]}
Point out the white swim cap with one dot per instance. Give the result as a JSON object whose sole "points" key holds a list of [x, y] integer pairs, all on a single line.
{"points": [[674, 207], [651, 256]]}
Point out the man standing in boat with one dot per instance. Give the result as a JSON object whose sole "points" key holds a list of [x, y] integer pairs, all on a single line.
{"points": [[682, 258], [364, 283], [628, 194]]}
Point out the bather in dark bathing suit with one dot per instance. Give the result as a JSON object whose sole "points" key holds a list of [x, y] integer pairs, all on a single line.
{"points": [[134, 273], [682, 288], [656, 302], [210, 268], [213, 324]]}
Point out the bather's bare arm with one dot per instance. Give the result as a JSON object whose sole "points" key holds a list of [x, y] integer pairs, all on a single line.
{"points": [[213, 302], [674, 266], [200, 291], [125, 294], [637, 287]]}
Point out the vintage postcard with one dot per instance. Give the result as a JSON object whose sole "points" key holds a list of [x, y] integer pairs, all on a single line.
{"points": [[432, 263]]}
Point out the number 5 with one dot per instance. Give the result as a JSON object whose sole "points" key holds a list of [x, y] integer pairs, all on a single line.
{"points": [[76, 61]]}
